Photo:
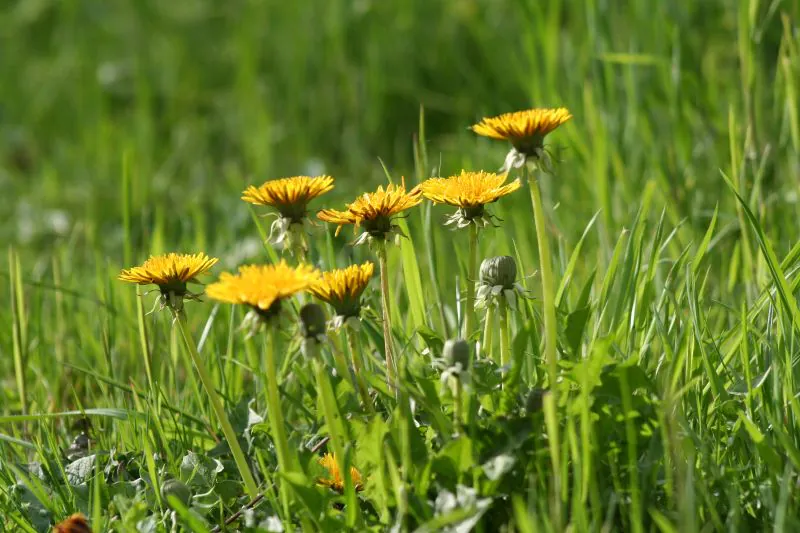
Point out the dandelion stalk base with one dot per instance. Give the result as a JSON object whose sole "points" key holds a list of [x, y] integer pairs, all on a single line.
{"points": [[216, 404]]}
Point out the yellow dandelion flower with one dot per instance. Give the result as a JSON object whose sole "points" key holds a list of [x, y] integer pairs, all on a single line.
{"points": [[342, 289], [290, 196], [525, 130], [74, 524], [262, 287], [470, 192], [335, 479], [171, 272], [374, 210]]}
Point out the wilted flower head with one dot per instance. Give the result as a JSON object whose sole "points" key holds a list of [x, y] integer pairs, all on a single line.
{"points": [[74, 524], [498, 279], [342, 289], [374, 211], [262, 288], [171, 273], [470, 192], [525, 130], [290, 197], [335, 479]]}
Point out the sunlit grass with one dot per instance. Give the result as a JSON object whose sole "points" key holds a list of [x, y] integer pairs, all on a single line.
{"points": [[671, 216]]}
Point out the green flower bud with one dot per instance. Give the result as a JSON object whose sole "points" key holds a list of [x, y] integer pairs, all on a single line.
{"points": [[500, 270], [312, 320], [533, 403], [178, 489], [456, 351]]}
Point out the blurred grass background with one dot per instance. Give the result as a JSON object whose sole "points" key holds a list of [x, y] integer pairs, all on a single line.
{"points": [[163, 111]]}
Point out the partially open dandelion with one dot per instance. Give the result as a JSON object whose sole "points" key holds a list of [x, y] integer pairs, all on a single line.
{"points": [[290, 197], [74, 524], [171, 273], [335, 480], [342, 289], [470, 192], [262, 288], [374, 211], [525, 130]]}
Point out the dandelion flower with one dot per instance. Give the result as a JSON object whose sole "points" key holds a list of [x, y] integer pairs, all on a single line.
{"points": [[290, 197], [335, 479], [262, 287], [470, 192], [375, 211], [171, 272], [74, 524], [525, 130], [342, 289]]}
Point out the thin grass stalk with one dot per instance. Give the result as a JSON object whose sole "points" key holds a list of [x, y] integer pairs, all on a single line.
{"points": [[387, 324], [216, 404], [355, 355], [143, 344], [276, 423], [16, 331], [472, 269]]}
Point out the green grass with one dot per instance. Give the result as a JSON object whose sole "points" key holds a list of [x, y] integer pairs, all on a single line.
{"points": [[130, 128]]}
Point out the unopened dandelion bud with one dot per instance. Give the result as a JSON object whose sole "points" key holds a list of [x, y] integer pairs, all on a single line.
{"points": [[312, 320], [533, 403], [456, 352], [499, 271], [177, 489]]}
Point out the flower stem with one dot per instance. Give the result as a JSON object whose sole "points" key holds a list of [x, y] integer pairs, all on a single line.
{"points": [[548, 296], [505, 337], [216, 404], [275, 414], [472, 267], [355, 355], [387, 324], [458, 399], [551, 332], [488, 330]]}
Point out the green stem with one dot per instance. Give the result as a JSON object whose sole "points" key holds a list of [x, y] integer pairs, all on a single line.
{"points": [[488, 331], [458, 399], [275, 414], [472, 268], [550, 330], [339, 358], [505, 342], [17, 333], [216, 404], [298, 244], [387, 324], [548, 284], [355, 355]]}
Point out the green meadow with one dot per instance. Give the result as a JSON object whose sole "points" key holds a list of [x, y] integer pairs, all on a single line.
{"points": [[131, 128]]}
